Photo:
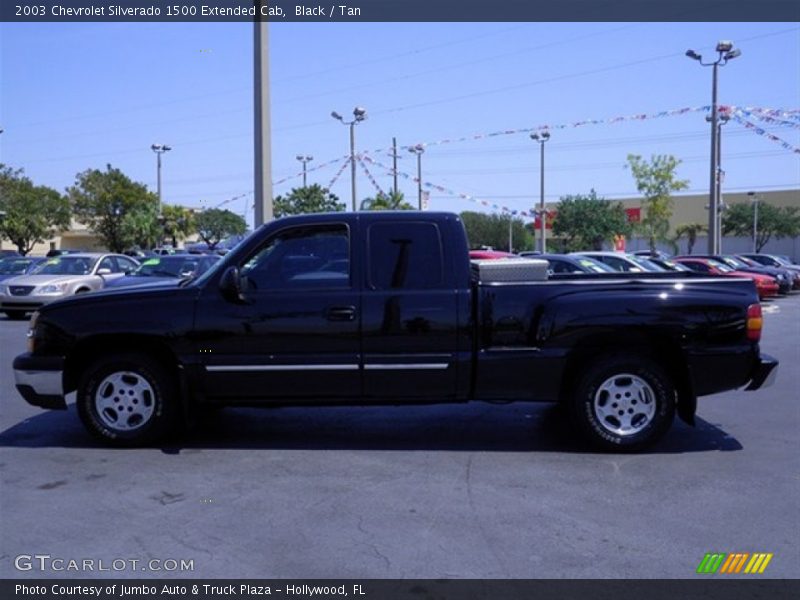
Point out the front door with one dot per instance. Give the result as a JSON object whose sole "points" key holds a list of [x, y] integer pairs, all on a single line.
{"points": [[296, 334]]}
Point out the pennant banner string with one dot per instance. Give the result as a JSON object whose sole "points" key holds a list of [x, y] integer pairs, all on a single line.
{"points": [[311, 170], [760, 131], [339, 173], [369, 175]]}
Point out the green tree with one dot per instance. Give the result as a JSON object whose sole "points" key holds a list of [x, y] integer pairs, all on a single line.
{"points": [[102, 199], [215, 224], [656, 180], [178, 222], [690, 231], [33, 213], [492, 231], [141, 227], [309, 199], [585, 222], [773, 222], [390, 201]]}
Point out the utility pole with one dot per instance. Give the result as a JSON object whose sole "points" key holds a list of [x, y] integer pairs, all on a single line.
{"points": [[726, 52], [394, 164], [754, 199], [159, 149], [359, 114], [419, 149], [263, 149], [542, 138], [305, 159]]}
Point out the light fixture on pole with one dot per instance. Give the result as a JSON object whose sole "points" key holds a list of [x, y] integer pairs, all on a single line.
{"points": [[754, 199], [541, 138], [419, 149], [725, 52], [305, 160], [159, 149], [359, 114]]}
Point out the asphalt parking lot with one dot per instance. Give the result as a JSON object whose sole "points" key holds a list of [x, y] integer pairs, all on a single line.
{"points": [[471, 491]]}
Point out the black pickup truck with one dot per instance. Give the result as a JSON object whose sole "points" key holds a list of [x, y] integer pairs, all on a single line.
{"points": [[386, 308]]}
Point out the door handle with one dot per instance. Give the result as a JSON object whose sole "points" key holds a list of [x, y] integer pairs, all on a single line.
{"points": [[341, 313]]}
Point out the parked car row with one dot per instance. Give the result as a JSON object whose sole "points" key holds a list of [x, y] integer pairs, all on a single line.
{"points": [[27, 283], [772, 275]]}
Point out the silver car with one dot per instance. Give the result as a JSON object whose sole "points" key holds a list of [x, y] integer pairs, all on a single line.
{"points": [[59, 277]]}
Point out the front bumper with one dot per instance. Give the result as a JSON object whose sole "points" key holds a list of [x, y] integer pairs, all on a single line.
{"points": [[764, 373], [40, 380], [28, 303]]}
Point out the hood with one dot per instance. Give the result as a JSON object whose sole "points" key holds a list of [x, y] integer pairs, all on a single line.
{"points": [[38, 280]]}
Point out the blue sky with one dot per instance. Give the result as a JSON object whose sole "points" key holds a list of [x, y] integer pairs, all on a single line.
{"points": [[78, 96]]}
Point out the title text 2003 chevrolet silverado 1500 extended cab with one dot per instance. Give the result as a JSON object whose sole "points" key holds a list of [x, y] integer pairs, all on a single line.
{"points": [[386, 308]]}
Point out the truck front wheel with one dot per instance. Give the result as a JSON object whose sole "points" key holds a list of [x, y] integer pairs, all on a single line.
{"points": [[127, 400], [623, 403]]}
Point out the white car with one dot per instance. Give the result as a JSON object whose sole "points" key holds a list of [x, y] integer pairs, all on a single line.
{"points": [[59, 277]]}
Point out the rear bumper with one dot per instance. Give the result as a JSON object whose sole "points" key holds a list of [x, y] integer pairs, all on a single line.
{"points": [[764, 373], [39, 379]]}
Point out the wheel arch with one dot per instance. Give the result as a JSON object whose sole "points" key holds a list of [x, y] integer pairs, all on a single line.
{"points": [[660, 348]]}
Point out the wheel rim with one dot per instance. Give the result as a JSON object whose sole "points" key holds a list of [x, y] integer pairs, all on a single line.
{"points": [[624, 404], [124, 401]]}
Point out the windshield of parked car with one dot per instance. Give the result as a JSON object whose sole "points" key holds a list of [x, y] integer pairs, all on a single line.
{"points": [[14, 266], [168, 266], [594, 266], [644, 263], [735, 263], [67, 265], [722, 268]]}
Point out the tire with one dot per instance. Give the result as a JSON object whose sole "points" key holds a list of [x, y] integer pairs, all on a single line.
{"points": [[15, 315], [128, 400], [623, 403]]}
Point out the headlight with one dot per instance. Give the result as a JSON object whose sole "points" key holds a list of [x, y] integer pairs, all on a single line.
{"points": [[54, 288]]}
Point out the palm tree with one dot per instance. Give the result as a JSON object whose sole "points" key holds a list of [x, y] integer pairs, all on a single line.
{"points": [[690, 230], [391, 201]]}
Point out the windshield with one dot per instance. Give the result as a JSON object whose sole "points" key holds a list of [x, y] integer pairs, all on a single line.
{"points": [[594, 266], [735, 263], [67, 265], [722, 268], [168, 266], [645, 263], [14, 266]]}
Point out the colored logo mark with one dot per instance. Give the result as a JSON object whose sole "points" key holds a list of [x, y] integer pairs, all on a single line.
{"points": [[737, 562]]}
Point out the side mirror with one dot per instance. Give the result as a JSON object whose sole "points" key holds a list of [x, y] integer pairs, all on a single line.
{"points": [[103, 272], [230, 284]]}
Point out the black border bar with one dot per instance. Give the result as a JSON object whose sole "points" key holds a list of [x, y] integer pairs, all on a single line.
{"points": [[277, 11]]}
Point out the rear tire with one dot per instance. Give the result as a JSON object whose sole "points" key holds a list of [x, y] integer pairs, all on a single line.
{"points": [[623, 403], [128, 400]]}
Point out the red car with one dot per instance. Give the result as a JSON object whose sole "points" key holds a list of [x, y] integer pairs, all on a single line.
{"points": [[490, 254], [766, 285]]}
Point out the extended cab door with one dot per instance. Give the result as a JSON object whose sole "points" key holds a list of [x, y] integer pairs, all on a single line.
{"points": [[295, 333], [410, 310]]}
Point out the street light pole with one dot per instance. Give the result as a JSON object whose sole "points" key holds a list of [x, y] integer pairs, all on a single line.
{"points": [[159, 149], [754, 199], [542, 138], [359, 114], [726, 52], [418, 150], [305, 159]]}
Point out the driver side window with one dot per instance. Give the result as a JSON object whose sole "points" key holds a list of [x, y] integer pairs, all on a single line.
{"points": [[301, 257]]}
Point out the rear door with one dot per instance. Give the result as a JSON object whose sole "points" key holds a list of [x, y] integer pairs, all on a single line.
{"points": [[410, 311]]}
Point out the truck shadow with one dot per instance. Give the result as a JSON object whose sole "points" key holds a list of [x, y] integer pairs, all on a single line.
{"points": [[466, 427]]}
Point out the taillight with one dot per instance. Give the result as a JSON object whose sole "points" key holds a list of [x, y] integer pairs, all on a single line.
{"points": [[754, 322]]}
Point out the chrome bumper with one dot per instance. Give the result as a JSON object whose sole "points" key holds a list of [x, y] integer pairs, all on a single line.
{"points": [[40, 381]]}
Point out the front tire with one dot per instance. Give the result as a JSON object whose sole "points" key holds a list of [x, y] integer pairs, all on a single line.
{"points": [[623, 403], [127, 400]]}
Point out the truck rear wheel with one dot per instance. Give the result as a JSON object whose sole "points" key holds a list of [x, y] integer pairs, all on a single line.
{"points": [[623, 403], [127, 400]]}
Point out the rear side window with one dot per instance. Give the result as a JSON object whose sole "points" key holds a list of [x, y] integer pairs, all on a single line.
{"points": [[405, 256]]}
